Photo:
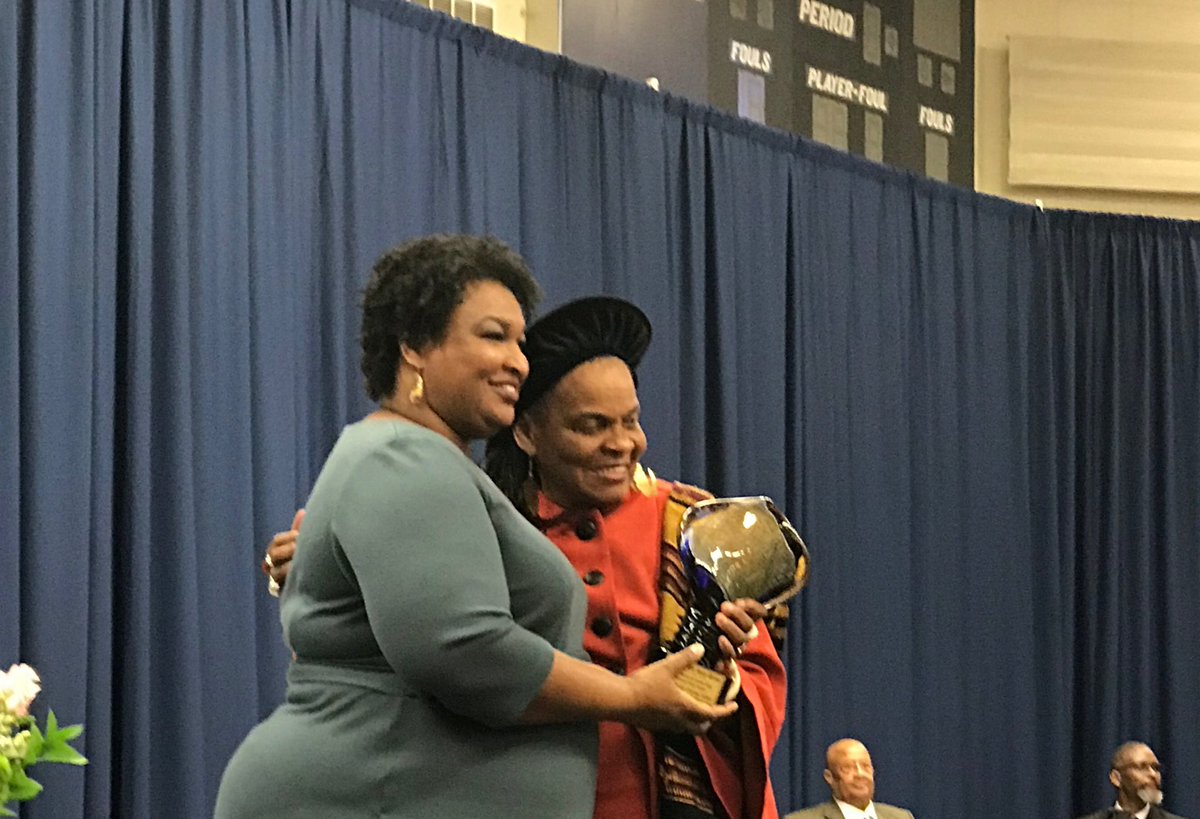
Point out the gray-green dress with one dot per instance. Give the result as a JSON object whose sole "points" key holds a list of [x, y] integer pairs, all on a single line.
{"points": [[424, 612]]}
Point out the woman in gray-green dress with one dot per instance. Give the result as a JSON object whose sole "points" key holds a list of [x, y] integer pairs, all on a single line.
{"points": [[439, 666]]}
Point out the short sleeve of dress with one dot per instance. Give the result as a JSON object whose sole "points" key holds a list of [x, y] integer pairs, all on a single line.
{"points": [[416, 534]]}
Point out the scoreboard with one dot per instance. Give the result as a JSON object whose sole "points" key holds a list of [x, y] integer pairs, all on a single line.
{"points": [[890, 80]]}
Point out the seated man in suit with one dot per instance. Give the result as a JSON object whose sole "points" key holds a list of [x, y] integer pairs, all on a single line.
{"points": [[1137, 776], [851, 778]]}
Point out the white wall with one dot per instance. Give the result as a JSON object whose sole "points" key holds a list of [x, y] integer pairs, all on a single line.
{"points": [[1144, 21]]}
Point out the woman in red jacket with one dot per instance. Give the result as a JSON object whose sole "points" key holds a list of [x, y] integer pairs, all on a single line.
{"points": [[571, 464]]}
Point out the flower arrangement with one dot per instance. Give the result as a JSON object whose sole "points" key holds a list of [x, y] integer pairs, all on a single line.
{"points": [[22, 743]]}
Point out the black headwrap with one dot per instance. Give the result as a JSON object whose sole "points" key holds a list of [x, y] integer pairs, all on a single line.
{"points": [[555, 344], [577, 332]]}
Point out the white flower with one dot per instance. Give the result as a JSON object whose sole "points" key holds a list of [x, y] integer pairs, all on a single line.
{"points": [[14, 747], [18, 688]]}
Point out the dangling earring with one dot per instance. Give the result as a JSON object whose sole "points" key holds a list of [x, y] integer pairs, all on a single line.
{"points": [[417, 394], [644, 480]]}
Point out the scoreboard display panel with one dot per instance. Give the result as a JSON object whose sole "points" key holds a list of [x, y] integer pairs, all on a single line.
{"points": [[890, 80]]}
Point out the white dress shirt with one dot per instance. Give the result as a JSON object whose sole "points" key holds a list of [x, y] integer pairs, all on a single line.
{"points": [[1141, 814], [851, 812]]}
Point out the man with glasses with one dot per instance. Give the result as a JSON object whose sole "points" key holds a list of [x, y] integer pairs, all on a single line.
{"points": [[1137, 776], [851, 779]]}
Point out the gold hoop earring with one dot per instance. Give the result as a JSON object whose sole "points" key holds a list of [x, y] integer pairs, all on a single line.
{"points": [[417, 394]]}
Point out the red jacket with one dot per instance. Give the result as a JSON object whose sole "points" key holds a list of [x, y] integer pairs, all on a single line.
{"points": [[617, 555]]}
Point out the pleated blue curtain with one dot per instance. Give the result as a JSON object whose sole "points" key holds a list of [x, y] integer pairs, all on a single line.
{"points": [[981, 417], [1122, 452]]}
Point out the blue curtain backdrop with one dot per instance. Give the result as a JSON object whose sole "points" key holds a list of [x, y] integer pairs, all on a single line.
{"points": [[982, 418]]}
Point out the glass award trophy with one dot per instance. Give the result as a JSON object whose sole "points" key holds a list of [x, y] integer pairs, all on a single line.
{"points": [[729, 548]]}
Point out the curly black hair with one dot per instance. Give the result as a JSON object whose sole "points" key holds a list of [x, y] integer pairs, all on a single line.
{"points": [[415, 288]]}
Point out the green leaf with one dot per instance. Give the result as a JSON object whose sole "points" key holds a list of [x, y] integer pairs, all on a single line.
{"points": [[33, 748], [65, 755], [69, 733], [21, 788], [5, 811], [54, 747]]}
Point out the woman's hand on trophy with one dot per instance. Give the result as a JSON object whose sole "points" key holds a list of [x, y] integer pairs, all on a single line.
{"points": [[277, 561], [738, 622], [662, 705]]}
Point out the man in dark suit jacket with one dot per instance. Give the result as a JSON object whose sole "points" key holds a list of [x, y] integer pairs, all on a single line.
{"points": [[1137, 776], [851, 780]]}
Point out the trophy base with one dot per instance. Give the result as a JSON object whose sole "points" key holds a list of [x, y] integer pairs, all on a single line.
{"points": [[704, 684]]}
